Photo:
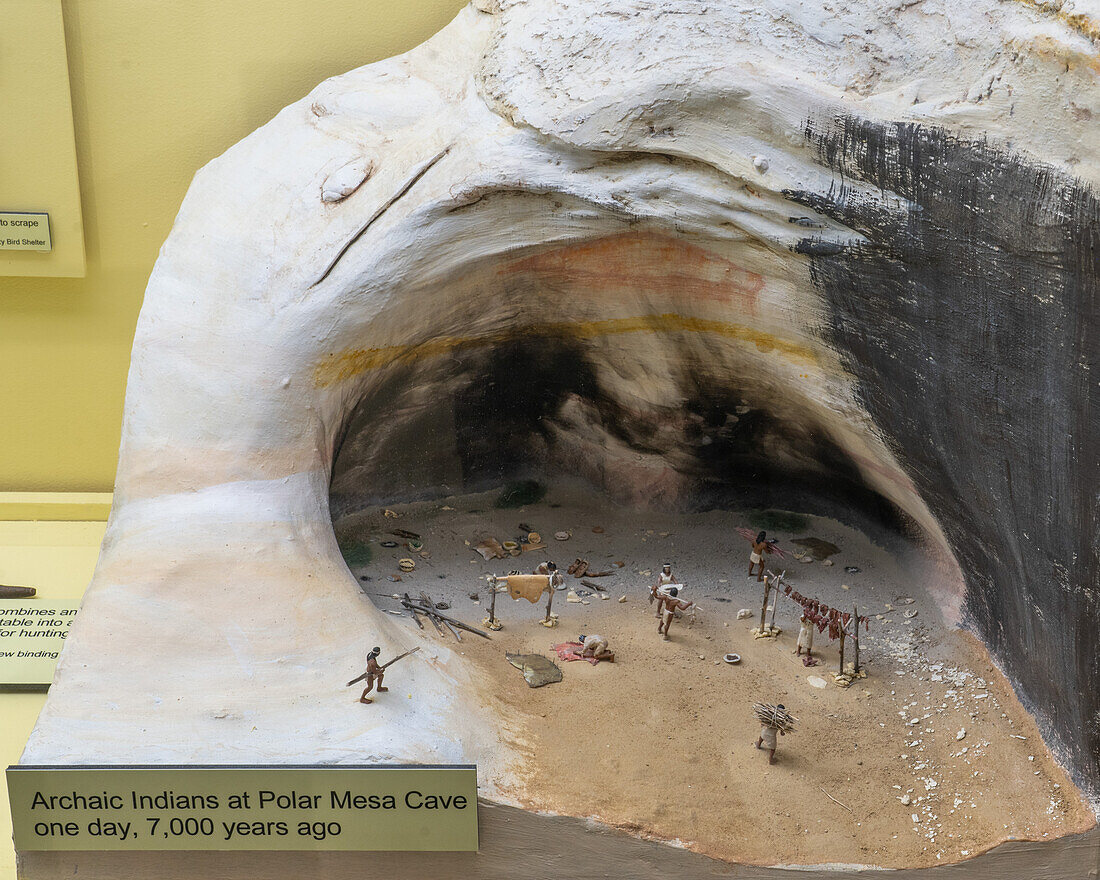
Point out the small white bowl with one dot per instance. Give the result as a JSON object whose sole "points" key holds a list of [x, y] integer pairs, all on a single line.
{"points": [[732, 659]]}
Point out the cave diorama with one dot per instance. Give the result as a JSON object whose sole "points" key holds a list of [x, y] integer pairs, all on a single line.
{"points": [[686, 412]]}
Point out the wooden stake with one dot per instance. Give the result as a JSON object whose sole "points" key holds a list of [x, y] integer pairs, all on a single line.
{"points": [[842, 635], [493, 602], [775, 604], [855, 617], [550, 589], [764, 607]]}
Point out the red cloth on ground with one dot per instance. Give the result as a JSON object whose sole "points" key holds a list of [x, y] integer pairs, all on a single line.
{"points": [[569, 651]]}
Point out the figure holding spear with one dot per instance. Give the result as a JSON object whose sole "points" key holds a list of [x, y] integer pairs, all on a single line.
{"points": [[375, 672]]}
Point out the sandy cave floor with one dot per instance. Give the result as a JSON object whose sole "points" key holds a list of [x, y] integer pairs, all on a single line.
{"points": [[661, 743]]}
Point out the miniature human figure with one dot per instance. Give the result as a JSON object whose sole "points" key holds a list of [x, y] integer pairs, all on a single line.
{"points": [[805, 637], [666, 576], [667, 606], [664, 580], [374, 675], [767, 740], [759, 547], [595, 646]]}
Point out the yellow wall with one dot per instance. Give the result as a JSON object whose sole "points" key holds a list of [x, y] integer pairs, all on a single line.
{"points": [[38, 171], [158, 89]]}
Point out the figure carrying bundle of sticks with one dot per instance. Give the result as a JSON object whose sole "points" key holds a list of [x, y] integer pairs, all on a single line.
{"points": [[774, 720]]}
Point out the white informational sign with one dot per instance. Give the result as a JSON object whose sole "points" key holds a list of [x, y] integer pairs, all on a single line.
{"points": [[32, 634], [22, 231]]}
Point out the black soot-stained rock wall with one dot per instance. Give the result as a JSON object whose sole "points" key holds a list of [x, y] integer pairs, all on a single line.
{"points": [[970, 320]]}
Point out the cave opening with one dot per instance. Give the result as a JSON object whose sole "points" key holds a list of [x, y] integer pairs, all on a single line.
{"points": [[547, 409]]}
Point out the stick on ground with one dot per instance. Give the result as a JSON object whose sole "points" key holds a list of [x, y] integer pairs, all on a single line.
{"points": [[834, 800]]}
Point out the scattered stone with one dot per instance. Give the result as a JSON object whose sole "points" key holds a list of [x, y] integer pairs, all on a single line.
{"points": [[905, 799], [805, 559], [911, 614], [622, 599], [853, 569], [845, 587], [826, 562], [597, 530], [743, 613], [604, 596], [816, 681], [701, 657], [572, 597], [960, 735]]}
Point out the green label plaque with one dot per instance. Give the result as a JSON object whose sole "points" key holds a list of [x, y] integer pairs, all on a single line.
{"points": [[332, 807], [24, 231]]}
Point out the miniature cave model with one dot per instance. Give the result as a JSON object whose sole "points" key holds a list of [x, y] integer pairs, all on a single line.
{"points": [[615, 284]]}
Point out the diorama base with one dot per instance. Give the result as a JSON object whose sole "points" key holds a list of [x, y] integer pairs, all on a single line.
{"points": [[518, 844]]}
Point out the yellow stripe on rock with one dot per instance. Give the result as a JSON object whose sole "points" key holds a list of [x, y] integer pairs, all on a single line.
{"points": [[349, 364]]}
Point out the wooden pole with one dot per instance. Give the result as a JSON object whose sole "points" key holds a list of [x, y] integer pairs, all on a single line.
{"points": [[855, 617], [775, 604], [493, 602], [764, 607], [550, 590], [842, 634], [438, 624]]}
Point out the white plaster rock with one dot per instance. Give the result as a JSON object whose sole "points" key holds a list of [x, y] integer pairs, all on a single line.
{"points": [[593, 169]]}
